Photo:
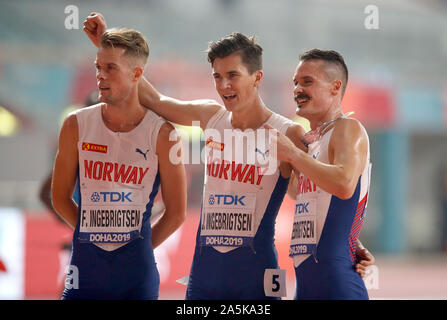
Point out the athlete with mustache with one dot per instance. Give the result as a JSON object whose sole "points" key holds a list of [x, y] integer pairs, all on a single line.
{"points": [[332, 185]]}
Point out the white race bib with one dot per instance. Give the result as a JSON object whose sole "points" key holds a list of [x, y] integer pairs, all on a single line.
{"points": [[228, 219], [110, 215], [304, 234]]}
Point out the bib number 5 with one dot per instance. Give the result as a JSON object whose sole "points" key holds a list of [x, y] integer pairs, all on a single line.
{"points": [[275, 283]]}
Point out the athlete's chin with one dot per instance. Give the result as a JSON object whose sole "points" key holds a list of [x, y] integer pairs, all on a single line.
{"points": [[230, 106], [301, 110], [105, 98]]}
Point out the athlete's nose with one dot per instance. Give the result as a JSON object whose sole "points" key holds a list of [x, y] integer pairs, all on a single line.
{"points": [[225, 84], [297, 89], [100, 75]]}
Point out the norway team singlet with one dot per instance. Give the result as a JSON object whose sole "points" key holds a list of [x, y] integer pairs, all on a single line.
{"points": [[241, 199], [118, 180], [324, 236]]}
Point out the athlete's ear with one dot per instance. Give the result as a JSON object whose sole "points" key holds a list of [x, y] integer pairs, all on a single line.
{"points": [[258, 77], [137, 73], [336, 87]]}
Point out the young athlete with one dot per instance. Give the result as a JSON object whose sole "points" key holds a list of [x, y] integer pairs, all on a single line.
{"points": [[119, 153]]}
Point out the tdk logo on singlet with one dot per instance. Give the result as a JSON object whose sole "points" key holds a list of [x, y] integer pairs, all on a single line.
{"points": [[302, 208], [111, 196], [226, 199], [95, 197]]}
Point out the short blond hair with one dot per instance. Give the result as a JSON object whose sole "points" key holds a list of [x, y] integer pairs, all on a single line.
{"points": [[134, 43]]}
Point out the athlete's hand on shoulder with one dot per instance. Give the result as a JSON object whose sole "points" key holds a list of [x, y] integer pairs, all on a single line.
{"points": [[94, 27], [295, 132], [365, 259], [285, 148]]}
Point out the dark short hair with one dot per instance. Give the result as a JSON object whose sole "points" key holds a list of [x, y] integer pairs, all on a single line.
{"points": [[330, 56], [247, 48]]}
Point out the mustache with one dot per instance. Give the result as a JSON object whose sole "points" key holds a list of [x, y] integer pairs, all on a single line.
{"points": [[301, 96]]}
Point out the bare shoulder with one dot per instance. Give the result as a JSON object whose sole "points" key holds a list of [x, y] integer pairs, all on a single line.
{"points": [[349, 126], [165, 133], [167, 137], [71, 121], [69, 129], [349, 130], [295, 130], [209, 109]]}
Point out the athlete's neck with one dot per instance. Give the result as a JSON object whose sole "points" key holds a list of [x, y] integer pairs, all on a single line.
{"points": [[331, 114], [123, 115], [252, 116]]}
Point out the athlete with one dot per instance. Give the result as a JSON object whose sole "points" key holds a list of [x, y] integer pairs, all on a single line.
{"points": [[119, 153], [235, 239], [332, 182]]}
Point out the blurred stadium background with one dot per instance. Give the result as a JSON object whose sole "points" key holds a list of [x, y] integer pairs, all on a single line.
{"points": [[397, 88]]}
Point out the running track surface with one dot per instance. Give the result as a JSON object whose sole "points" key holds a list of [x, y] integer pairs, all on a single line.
{"points": [[407, 278]]}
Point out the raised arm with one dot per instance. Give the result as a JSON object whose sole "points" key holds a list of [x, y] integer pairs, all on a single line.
{"points": [[94, 26], [173, 187], [64, 172], [178, 111]]}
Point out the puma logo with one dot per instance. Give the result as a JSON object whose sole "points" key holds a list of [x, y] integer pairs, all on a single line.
{"points": [[263, 154], [143, 153]]}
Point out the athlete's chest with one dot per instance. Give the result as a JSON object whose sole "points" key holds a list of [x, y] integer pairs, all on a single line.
{"points": [[239, 157], [116, 158]]}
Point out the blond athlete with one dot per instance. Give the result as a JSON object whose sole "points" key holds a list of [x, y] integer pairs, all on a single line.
{"points": [[119, 152]]}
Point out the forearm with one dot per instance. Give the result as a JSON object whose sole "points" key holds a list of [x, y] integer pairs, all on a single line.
{"points": [[291, 188], [67, 210], [331, 178], [165, 227], [45, 193], [169, 108], [148, 96], [175, 110]]}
